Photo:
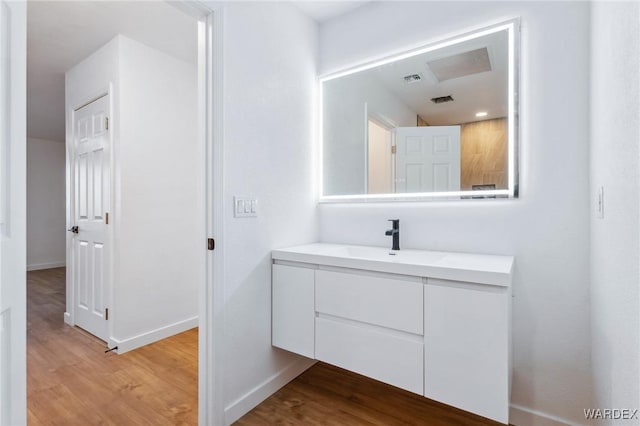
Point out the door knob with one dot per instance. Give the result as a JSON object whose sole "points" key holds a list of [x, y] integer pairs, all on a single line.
{"points": [[74, 229]]}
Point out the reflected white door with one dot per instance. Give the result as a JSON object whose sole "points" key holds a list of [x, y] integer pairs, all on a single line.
{"points": [[13, 304], [90, 207], [428, 159]]}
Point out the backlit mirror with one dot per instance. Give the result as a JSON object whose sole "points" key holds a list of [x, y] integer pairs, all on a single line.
{"points": [[435, 122]]}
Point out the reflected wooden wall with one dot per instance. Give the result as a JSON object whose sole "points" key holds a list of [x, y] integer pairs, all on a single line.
{"points": [[483, 153]]}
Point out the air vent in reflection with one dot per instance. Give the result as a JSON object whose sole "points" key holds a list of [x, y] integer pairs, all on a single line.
{"points": [[442, 99], [413, 78]]}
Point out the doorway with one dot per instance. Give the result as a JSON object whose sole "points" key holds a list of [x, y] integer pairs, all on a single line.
{"points": [[380, 170], [144, 191], [84, 296]]}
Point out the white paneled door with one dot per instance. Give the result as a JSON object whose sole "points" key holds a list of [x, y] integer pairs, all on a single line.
{"points": [[13, 366], [428, 159], [90, 212]]}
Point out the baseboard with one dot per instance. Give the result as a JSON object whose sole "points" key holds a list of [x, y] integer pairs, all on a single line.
{"points": [[131, 343], [48, 265], [255, 396], [523, 416]]}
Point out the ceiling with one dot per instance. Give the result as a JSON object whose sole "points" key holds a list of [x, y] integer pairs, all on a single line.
{"points": [[478, 91], [473, 87], [60, 34], [322, 11]]}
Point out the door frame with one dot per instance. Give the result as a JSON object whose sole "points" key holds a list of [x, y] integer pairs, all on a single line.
{"points": [[211, 135], [69, 314], [211, 403]]}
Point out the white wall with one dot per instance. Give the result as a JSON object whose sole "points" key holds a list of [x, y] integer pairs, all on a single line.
{"points": [[269, 89], [46, 222], [160, 212], [158, 196], [344, 124], [615, 239], [546, 229]]}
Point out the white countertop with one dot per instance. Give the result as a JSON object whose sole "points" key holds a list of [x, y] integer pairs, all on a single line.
{"points": [[467, 267]]}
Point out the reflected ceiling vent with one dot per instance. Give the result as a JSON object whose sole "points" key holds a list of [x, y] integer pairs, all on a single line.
{"points": [[442, 99], [460, 65], [412, 78]]}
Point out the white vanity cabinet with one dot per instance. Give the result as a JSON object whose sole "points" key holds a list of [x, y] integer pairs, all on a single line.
{"points": [[436, 324]]}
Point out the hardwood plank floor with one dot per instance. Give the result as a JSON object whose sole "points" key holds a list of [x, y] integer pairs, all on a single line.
{"points": [[328, 395], [71, 381]]}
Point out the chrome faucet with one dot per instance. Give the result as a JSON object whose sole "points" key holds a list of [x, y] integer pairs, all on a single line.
{"points": [[395, 233]]}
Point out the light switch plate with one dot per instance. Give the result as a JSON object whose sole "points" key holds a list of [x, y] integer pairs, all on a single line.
{"points": [[245, 206]]}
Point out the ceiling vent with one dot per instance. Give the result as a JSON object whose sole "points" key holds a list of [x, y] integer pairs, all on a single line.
{"points": [[460, 65], [442, 99], [412, 78]]}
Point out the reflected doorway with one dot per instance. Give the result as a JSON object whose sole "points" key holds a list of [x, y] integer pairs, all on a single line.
{"points": [[380, 153]]}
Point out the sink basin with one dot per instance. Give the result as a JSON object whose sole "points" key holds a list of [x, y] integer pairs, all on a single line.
{"points": [[477, 268], [386, 255]]}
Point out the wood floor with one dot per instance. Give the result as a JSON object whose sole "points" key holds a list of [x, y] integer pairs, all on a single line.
{"points": [[327, 395], [71, 381]]}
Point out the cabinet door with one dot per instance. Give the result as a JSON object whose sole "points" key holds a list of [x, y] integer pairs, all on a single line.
{"points": [[293, 312], [467, 347]]}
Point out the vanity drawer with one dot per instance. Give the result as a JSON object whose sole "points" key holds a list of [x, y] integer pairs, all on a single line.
{"points": [[390, 358], [387, 302]]}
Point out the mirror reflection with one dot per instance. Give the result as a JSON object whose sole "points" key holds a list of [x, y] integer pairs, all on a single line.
{"points": [[436, 121]]}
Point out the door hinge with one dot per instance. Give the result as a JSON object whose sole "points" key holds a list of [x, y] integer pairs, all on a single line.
{"points": [[211, 244], [106, 218], [106, 123], [393, 149], [106, 314]]}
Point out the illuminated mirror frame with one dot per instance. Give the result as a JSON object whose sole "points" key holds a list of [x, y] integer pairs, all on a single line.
{"points": [[513, 30]]}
